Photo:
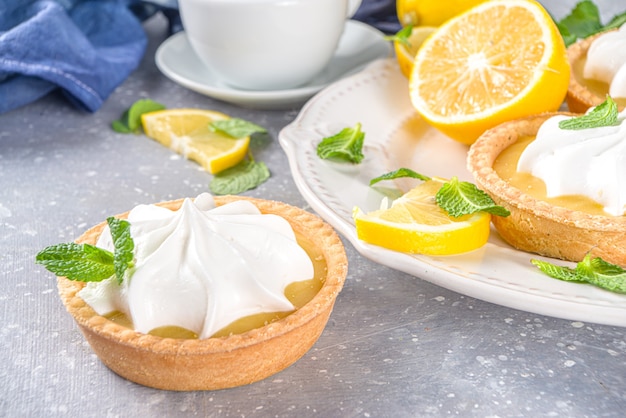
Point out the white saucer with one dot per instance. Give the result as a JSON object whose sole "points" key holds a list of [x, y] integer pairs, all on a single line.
{"points": [[359, 45]]}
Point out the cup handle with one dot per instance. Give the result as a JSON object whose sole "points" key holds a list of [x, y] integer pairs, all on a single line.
{"points": [[353, 5]]}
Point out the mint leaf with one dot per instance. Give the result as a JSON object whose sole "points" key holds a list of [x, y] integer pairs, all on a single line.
{"points": [[583, 21], [616, 22], [456, 197], [399, 173], [139, 108], [594, 271], [346, 146], [82, 262], [88, 263], [568, 37], [460, 198], [401, 36], [246, 175], [236, 128], [557, 272], [124, 246], [121, 127], [600, 273], [130, 121], [605, 114]]}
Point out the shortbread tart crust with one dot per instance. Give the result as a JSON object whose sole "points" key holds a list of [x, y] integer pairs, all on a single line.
{"points": [[534, 225], [215, 363]]}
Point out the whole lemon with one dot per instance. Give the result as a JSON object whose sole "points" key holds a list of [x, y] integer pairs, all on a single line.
{"points": [[431, 12]]}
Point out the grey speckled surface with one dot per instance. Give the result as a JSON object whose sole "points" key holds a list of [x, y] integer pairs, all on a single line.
{"points": [[395, 345]]}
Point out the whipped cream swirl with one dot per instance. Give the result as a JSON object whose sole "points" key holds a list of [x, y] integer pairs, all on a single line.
{"points": [[202, 267], [589, 162], [606, 61]]}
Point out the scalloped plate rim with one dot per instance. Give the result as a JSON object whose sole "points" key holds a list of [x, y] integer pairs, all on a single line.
{"points": [[315, 120]]}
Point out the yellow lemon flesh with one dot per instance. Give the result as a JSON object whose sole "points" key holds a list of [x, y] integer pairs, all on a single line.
{"points": [[405, 54], [187, 132], [416, 224], [501, 60], [430, 12]]}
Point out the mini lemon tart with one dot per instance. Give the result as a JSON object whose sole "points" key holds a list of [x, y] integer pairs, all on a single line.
{"points": [[217, 362], [535, 225], [583, 93]]}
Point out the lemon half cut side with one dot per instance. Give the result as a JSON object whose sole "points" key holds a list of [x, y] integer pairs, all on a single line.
{"points": [[501, 60]]}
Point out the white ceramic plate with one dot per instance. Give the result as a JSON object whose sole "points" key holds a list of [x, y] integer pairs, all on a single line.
{"points": [[359, 45], [396, 137]]}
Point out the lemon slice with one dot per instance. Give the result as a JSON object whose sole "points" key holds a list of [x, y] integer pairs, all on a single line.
{"points": [[405, 54], [416, 224], [498, 61], [187, 132]]}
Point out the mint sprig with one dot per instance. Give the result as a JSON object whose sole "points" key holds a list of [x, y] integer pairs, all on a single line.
{"points": [[88, 263], [399, 173], [456, 197], [345, 146], [584, 21], [616, 22], [460, 198], [130, 121], [244, 176], [236, 127], [594, 271], [605, 114], [82, 262], [402, 36]]}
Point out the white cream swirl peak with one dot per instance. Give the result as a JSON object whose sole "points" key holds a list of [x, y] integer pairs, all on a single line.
{"points": [[202, 267], [606, 61], [589, 162], [598, 65]]}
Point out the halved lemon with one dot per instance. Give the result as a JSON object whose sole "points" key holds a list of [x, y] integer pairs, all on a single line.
{"points": [[501, 60], [187, 132], [405, 53], [416, 224]]}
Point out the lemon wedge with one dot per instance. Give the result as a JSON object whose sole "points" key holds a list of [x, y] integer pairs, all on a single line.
{"points": [[416, 224], [187, 132], [405, 53]]}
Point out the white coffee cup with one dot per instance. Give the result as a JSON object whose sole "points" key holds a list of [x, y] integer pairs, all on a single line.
{"points": [[265, 44]]}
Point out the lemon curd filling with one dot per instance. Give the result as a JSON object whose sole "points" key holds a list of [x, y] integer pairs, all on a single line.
{"points": [[588, 161], [597, 87], [298, 293], [506, 167]]}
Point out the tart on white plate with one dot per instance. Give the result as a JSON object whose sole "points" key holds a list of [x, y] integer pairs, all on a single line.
{"points": [[566, 227]]}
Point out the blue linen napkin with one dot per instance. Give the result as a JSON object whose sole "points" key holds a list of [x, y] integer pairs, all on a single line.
{"points": [[85, 47], [379, 13]]}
